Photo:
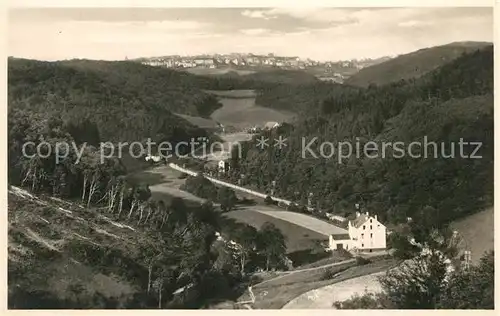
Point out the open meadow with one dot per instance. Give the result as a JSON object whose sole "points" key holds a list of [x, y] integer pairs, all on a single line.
{"points": [[239, 110]]}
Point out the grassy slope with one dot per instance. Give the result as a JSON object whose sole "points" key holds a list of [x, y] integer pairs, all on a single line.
{"points": [[297, 237], [412, 65]]}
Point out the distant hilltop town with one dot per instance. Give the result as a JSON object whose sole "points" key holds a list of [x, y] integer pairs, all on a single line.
{"points": [[325, 70]]}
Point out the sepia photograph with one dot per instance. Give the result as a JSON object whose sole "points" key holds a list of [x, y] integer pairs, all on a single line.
{"points": [[250, 158]]}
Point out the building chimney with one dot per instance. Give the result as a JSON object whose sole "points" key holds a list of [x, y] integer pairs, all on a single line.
{"points": [[375, 217], [357, 214]]}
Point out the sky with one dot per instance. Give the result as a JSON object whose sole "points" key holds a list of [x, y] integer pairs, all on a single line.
{"points": [[316, 33]]}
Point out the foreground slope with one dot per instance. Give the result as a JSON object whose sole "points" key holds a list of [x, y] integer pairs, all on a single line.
{"points": [[64, 255]]}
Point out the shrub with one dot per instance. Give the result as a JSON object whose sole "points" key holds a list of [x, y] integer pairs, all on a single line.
{"points": [[362, 261], [269, 200]]}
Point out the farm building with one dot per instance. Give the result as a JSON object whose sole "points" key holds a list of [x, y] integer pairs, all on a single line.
{"points": [[340, 241], [367, 233]]}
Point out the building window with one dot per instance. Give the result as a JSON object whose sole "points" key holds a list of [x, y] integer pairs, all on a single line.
{"points": [[378, 226], [362, 245], [370, 220], [370, 226], [362, 236], [364, 227], [371, 235]]}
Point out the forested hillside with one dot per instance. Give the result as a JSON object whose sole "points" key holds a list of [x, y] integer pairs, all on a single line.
{"points": [[302, 97], [82, 234], [111, 101], [412, 65], [452, 102]]}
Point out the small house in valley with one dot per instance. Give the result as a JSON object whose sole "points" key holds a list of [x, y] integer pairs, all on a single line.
{"points": [[364, 233], [367, 233]]}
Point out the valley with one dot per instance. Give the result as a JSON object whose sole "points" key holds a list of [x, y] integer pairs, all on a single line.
{"points": [[269, 229]]}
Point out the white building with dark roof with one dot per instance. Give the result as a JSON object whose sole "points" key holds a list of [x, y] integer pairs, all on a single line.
{"points": [[367, 233], [364, 233]]}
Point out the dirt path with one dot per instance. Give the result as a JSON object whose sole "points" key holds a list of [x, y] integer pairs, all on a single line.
{"points": [[169, 184], [284, 274]]}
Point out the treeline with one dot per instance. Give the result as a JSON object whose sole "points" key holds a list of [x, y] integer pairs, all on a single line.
{"points": [[204, 188], [450, 103]]}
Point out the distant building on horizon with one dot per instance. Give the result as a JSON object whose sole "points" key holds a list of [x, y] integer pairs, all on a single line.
{"points": [[271, 125]]}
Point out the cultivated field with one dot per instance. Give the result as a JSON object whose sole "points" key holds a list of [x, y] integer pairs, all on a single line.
{"points": [[319, 226], [297, 237]]}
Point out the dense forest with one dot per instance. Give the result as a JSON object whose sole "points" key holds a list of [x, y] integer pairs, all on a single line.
{"points": [[452, 102], [108, 101]]}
